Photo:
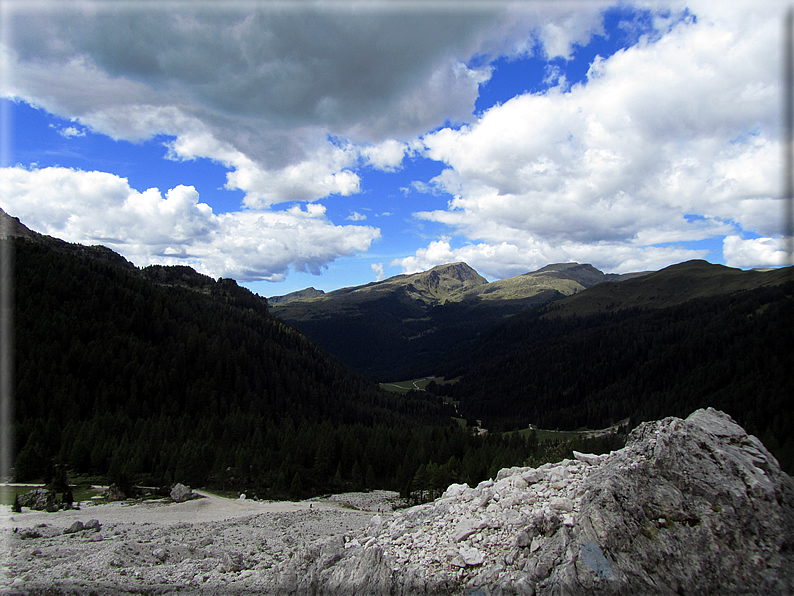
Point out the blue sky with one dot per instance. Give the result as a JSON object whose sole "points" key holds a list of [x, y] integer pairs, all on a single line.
{"points": [[339, 144]]}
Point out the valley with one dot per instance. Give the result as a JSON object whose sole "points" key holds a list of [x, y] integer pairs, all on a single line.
{"points": [[569, 347], [156, 376]]}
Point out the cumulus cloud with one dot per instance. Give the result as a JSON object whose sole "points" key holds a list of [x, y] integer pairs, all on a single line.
{"points": [[377, 269], [69, 131], [147, 228], [508, 259], [671, 140], [757, 252], [258, 89], [387, 156]]}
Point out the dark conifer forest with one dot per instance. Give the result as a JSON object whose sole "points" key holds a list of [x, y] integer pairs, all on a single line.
{"points": [[163, 375], [159, 375], [734, 352]]}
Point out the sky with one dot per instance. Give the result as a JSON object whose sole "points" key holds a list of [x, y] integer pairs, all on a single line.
{"points": [[334, 143]]}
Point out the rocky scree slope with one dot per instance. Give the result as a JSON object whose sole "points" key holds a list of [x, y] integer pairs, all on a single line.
{"points": [[694, 505]]}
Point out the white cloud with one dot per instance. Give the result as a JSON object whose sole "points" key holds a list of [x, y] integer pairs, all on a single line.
{"points": [[668, 141], [101, 208], [261, 87], [69, 131], [257, 87], [508, 259], [757, 252], [672, 140], [356, 216], [387, 156], [377, 269]]}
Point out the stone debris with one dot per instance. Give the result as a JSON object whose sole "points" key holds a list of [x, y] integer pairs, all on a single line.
{"points": [[688, 505], [240, 555]]}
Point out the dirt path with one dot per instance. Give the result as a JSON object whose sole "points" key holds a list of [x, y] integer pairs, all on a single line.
{"points": [[208, 508], [210, 545]]}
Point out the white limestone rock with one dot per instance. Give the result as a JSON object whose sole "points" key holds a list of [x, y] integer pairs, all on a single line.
{"points": [[695, 505], [471, 556], [181, 493], [588, 458]]}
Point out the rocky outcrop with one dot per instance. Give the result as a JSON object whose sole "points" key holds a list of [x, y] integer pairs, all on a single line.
{"points": [[39, 499], [696, 505]]}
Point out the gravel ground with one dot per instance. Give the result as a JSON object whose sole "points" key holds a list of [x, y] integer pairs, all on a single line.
{"points": [[210, 545]]}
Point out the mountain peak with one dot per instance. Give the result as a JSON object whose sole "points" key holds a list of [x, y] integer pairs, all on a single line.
{"points": [[458, 271], [297, 295], [586, 274], [443, 281]]}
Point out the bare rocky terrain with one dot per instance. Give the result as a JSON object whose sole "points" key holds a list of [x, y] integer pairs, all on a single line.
{"points": [[209, 545], [688, 506]]}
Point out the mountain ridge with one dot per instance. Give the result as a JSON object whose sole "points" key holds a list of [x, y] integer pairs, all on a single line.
{"points": [[669, 286], [407, 325], [459, 282], [12, 227], [165, 275]]}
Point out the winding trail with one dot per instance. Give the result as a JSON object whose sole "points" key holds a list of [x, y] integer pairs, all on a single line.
{"points": [[208, 508]]}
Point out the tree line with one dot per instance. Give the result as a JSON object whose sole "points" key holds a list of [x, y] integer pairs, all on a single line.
{"points": [[732, 352], [161, 375]]}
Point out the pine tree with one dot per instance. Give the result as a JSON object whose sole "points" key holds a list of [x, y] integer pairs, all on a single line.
{"points": [[357, 476], [370, 478], [296, 487]]}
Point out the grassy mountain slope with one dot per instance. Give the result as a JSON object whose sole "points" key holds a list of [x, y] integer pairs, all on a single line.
{"points": [[296, 296], [565, 278], [668, 287], [417, 292], [408, 325]]}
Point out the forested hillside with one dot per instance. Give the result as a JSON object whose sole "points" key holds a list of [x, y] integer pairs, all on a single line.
{"points": [[732, 352], [408, 325], [162, 375]]}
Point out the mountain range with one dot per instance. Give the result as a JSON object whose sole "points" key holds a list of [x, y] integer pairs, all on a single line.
{"points": [[455, 282], [108, 350], [570, 347], [414, 325], [160, 375]]}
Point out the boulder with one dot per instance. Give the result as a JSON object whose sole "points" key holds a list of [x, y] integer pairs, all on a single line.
{"points": [[181, 493], [694, 505], [74, 528], [39, 499], [114, 493], [465, 528], [93, 524], [232, 562], [587, 458], [471, 556]]}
